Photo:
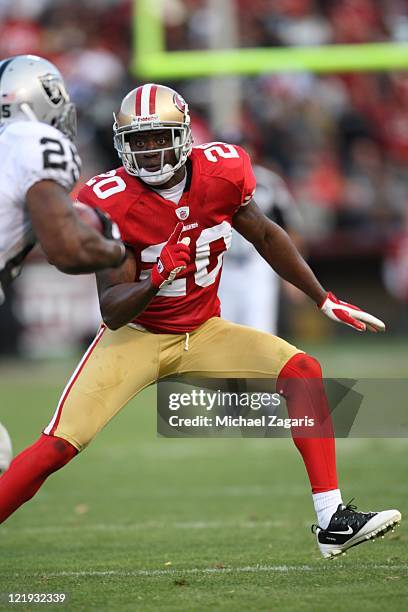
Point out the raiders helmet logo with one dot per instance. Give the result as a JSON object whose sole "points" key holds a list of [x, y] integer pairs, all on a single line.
{"points": [[183, 212], [53, 89]]}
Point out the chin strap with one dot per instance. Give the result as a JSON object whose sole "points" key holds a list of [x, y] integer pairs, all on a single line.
{"points": [[159, 177], [28, 112]]}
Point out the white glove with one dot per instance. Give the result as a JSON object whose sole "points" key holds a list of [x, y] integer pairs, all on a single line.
{"points": [[342, 312]]}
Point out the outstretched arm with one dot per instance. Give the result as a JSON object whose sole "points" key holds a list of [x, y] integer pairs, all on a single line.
{"points": [[275, 246]]}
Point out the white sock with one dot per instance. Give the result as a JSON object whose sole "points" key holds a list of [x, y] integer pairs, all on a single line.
{"points": [[326, 505]]}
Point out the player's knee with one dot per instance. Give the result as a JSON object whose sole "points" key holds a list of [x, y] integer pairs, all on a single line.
{"points": [[54, 453], [307, 366], [301, 365], [299, 372]]}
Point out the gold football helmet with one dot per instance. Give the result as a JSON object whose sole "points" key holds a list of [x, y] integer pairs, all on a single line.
{"points": [[153, 107]]}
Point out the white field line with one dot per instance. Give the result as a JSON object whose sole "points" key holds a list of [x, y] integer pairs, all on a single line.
{"points": [[149, 525], [254, 569]]}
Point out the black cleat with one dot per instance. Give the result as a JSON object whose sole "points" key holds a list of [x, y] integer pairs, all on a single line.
{"points": [[348, 528]]}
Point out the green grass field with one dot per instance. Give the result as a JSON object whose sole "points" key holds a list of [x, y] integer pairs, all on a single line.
{"points": [[142, 523]]}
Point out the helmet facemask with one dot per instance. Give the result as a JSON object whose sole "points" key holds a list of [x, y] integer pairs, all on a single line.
{"points": [[67, 121], [64, 116], [181, 139]]}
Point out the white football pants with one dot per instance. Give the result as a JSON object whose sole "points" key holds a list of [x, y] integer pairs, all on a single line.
{"points": [[249, 293]]}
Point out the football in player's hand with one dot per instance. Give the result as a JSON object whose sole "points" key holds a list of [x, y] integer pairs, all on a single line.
{"points": [[89, 216]]}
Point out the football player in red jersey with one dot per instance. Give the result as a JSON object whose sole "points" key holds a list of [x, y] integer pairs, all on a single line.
{"points": [[175, 205]]}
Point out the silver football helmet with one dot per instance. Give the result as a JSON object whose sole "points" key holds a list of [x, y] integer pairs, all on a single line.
{"points": [[32, 89]]}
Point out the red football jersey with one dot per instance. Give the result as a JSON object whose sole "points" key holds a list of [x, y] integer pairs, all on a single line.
{"points": [[219, 180]]}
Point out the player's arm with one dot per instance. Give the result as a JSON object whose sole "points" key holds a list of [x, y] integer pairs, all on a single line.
{"points": [[122, 299], [69, 244], [275, 246]]}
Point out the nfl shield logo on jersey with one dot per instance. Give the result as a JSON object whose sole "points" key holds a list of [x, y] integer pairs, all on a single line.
{"points": [[183, 212]]}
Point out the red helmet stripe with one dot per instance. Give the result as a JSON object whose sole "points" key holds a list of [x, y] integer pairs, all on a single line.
{"points": [[138, 101], [152, 100]]}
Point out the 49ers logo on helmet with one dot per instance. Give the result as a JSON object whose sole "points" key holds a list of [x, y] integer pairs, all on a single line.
{"points": [[179, 102]]}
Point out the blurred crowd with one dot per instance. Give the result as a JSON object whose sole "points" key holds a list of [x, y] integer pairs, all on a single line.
{"points": [[339, 141], [270, 23]]}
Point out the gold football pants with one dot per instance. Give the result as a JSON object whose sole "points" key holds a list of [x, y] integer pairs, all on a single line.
{"points": [[119, 364]]}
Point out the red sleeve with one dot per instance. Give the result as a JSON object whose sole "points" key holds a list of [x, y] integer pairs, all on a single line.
{"points": [[248, 177], [87, 196], [107, 192]]}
